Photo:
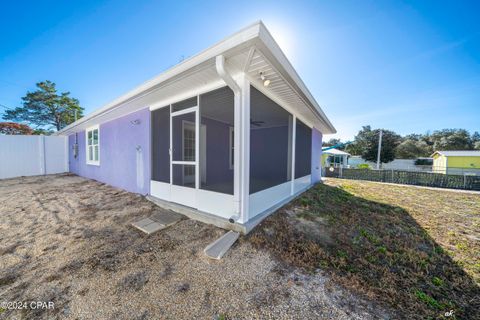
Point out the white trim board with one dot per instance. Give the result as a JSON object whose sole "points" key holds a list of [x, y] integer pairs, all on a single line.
{"points": [[262, 200], [215, 203]]}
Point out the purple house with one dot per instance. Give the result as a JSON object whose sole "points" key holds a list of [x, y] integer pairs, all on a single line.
{"points": [[225, 137]]}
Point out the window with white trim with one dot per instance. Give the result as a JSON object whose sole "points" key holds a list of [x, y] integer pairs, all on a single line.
{"points": [[93, 145]]}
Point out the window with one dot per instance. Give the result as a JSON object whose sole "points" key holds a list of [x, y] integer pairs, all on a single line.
{"points": [[184, 149], [93, 145], [188, 153], [188, 141]]}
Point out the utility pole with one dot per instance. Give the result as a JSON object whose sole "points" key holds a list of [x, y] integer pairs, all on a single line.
{"points": [[379, 148]]}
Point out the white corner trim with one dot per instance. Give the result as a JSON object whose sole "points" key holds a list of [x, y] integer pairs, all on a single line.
{"points": [[231, 162]]}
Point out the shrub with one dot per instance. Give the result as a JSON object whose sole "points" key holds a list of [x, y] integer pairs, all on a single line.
{"points": [[364, 166]]}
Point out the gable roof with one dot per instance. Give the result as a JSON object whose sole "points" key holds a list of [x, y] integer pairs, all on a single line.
{"points": [[245, 50], [458, 153]]}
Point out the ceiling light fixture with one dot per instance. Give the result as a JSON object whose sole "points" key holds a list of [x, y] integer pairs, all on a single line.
{"points": [[266, 82]]}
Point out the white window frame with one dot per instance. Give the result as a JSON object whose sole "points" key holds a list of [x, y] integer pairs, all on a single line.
{"points": [[87, 149], [231, 147]]}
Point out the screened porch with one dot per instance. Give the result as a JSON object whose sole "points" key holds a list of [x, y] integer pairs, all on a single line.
{"points": [[193, 153]]}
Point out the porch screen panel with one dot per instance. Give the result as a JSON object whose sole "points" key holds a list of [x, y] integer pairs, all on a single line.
{"points": [[183, 175], [161, 144], [216, 140], [303, 150], [185, 104], [270, 142]]}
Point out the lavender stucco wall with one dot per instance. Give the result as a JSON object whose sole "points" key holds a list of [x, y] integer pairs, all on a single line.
{"points": [[124, 153], [316, 155]]}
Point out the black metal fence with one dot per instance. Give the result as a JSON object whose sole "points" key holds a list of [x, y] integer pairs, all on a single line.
{"points": [[428, 179]]}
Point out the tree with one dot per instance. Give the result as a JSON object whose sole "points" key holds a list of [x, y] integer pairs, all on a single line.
{"points": [[46, 108], [451, 139], [476, 140], [367, 141], [411, 149], [354, 149], [39, 131], [334, 142], [15, 128]]}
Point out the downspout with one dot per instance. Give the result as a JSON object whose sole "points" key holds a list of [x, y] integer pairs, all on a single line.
{"points": [[226, 76], [223, 73]]}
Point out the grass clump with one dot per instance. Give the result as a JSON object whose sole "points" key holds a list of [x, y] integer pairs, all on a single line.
{"points": [[422, 296], [437, 281]]}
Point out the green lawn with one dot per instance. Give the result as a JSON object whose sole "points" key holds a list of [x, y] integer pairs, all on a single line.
{"points": [[415, 250]]}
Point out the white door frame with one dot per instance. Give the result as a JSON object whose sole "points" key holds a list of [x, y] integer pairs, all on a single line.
{"points": [[181, 194]]}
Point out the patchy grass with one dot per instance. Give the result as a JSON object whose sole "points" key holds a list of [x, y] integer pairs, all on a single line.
{"points": [[417, 250]]}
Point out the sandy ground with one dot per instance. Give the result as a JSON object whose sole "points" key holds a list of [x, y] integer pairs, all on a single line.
{"points": [[67, 240]]}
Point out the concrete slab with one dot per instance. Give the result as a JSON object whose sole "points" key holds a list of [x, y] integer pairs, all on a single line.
{"points": [[166, 218], [153, 227], [218, 248], [157, 221], [142, 223]]}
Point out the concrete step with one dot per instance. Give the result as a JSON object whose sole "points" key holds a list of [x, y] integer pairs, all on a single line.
{"points": [[218, 248], [148, 226], [157, 221]]}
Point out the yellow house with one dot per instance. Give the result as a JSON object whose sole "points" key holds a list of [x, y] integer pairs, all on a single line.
{"points": [[456, 162]]}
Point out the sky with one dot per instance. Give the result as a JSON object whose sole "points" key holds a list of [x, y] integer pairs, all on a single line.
{"points": [[407, 66]]}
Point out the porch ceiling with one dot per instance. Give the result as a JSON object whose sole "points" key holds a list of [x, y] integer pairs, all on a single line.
{"points": [[252, 62]]}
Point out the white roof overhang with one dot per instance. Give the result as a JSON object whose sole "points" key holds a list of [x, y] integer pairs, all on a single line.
{"points": [[249, 51]]}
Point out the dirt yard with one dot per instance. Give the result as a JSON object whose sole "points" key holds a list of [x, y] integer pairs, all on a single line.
{"points": [[414, 249], [67, 240]]}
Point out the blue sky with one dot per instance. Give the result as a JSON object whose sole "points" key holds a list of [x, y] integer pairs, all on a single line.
{"points": [[408, 66]]}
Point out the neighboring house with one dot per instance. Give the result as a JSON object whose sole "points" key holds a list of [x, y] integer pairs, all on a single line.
{"points": [[396, 164], [335, 158], [228, 134], [456, 162]]}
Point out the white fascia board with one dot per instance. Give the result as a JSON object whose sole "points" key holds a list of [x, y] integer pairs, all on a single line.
{"points": [[241, 37]]}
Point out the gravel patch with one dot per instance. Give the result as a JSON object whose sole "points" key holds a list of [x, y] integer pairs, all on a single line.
{"points": [[67, 239]]}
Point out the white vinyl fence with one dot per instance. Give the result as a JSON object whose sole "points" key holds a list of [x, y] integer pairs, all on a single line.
{"points": [[32, 155]]}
